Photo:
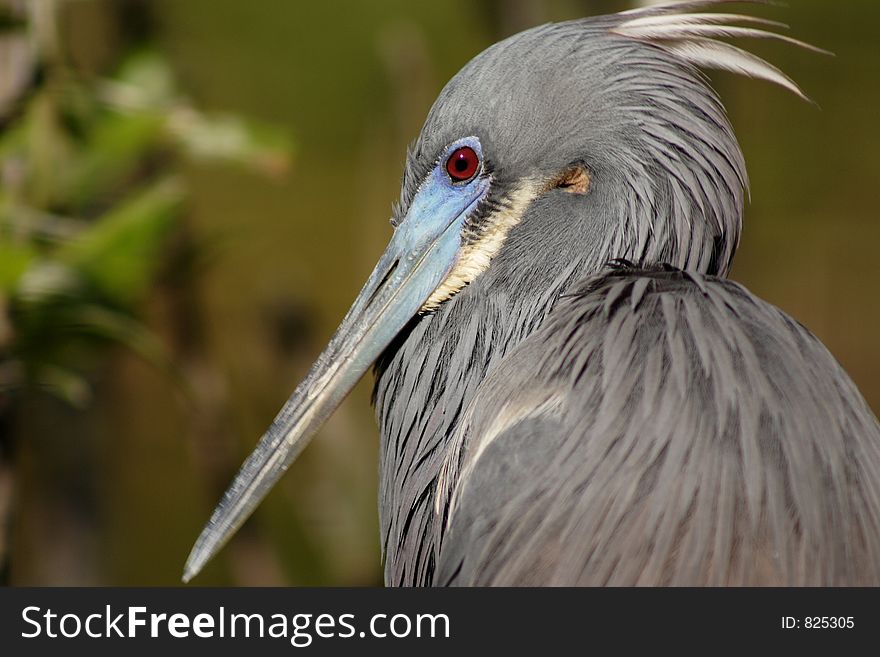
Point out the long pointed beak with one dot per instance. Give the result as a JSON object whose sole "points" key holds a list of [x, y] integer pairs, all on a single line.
{"points": [[419, 257]]}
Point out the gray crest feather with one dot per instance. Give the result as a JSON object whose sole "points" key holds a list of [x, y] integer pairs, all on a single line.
{"points": [[695, 38]]}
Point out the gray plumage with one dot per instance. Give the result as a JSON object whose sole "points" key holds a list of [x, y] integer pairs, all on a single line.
{"points": [[551, 424], [675, 430]]}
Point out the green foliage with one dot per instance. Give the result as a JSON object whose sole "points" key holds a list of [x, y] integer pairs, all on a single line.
{"points": [[117, 253], [89, 202]]}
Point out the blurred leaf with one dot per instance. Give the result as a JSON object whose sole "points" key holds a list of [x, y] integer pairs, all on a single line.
{"points": [[231, 138], [144, 81], [47, 149], [114, 150], [47, 281], [128, 332], [119, 252], [144, 88], [69, 330], [43, 228], [68, 385], [14, 261]]}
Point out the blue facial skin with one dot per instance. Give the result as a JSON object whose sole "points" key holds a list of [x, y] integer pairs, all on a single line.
{"points": [[427, 240], [421, 254]]}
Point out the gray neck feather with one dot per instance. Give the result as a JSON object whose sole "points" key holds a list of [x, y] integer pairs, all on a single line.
{"points": [[667, 187]]}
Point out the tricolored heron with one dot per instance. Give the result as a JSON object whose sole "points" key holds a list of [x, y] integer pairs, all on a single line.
{"points": [[567, 388]]}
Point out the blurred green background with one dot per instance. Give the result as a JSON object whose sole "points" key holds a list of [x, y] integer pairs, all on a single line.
{"points": [[194, 191]]}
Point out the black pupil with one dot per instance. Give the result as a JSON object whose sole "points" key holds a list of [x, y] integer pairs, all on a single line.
{"points": [[461, 164]]}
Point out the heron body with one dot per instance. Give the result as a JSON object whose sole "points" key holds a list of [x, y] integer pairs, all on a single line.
{"points": [[646, 434], [548, 419]]}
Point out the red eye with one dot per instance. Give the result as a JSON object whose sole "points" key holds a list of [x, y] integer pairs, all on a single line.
{"points": [[462, 164]]}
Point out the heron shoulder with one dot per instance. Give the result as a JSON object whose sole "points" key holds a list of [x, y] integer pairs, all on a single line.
{"points": [[663, 427]]}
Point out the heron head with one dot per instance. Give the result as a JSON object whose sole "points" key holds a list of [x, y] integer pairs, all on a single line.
{"points": [[600, 135], [599, 138]]}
